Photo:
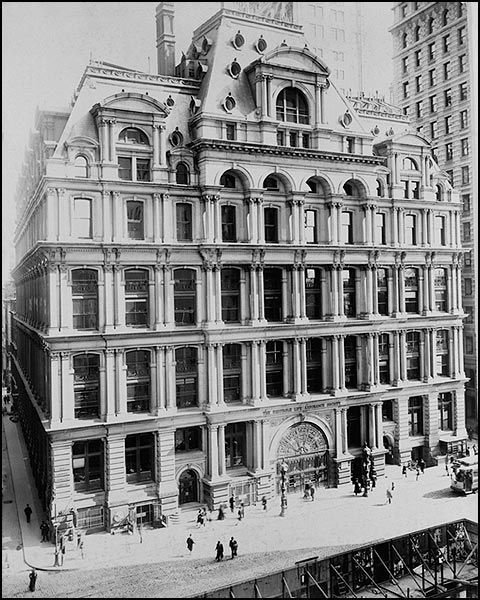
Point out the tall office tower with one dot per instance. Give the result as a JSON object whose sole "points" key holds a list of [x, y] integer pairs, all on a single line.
{"points": [[221, 287], [435, 83]]}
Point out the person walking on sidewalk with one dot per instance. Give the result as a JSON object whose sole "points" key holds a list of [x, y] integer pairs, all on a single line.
{"points": [[264, 503], [219, 549], [28, 512], [312, 493], [190, 543], [233, 546], [33, 580], [45, 529], [421, 464], [232, 503], [389, 496]]}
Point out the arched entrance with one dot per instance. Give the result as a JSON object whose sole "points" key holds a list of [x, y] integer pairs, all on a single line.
{"points": [[188, 487], [304, 448]]}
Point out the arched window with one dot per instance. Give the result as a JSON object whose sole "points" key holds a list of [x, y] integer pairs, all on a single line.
{"points": [[417, 33], [131, 135], [185, 299], [271, 183], [182, 174], [404, 40], [409, 164], [86, 386], [438, 193], [292, 106], [138, 380], [430, 25], [352, 188], [228, 180], [445, 18], [85, 298], [81, 166]]}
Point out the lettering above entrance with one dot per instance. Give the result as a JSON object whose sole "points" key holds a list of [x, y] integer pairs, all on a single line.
{"points": [[303, 438]]}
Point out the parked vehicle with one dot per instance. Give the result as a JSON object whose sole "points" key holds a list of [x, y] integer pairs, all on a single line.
{"points": [[464, 478]]}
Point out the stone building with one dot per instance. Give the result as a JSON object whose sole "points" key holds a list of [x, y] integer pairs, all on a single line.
{"points": [[226, 267], [436, 83]]}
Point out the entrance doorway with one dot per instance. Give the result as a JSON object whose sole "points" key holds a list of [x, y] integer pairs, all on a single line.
{"points": [[388, 445], [188, 487], [304, 448]]}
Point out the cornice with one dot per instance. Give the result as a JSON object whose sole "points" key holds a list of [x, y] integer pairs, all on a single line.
{"points": [[247, 148]]}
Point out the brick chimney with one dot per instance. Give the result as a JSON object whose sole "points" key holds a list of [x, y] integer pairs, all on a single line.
{"points": [[165, 38]]}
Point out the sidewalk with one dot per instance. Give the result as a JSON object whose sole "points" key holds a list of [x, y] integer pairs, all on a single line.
{"points": [[335, 518]]}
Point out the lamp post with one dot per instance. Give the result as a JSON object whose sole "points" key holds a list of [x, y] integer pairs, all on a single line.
{"points": [[283, 499]]}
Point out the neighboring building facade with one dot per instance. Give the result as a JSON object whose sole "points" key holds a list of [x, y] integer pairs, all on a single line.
{"points": [[435, 84], [218, 271]]}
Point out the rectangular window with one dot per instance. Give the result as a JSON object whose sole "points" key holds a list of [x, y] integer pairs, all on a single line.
{"points": [[380, 229], [384, 359], [230, 284], [349, 296], [184, 222], [461, 36], [271, 225], [405, 64], [229, 230], [415, 415], [468, 286], [382, 291], [445, 411], [82, 218], [440, 231], [143, 169], [411, 291], [232, 373], [86, 386], [418, 58], [274, 369], [293, 137], [433, 130], [431, 51], [446, 43], [465, 175], [406, 110], [442, 358], [433, 104], [449, 151], [466, 232], [465, 149], [280, 138], [139, 457], [85, 299], [467, 259], [450, 176], [136, 298], [87, 463], [313, 293], [350, 145], [419, 109], [347, 227], [448, 125], [440, 289], [463, 119], [418, 83], [231, 131], [135, 227], [125, 168], [466, 204], [311, 226], [463, 91], [469, 344], [235, 445], [305, 140], [462, 63], [448, 97], [432, 77], [188, 439], [446, 70], [405, 89]]}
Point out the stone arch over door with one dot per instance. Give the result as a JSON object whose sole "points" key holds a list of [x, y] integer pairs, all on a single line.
{"points": [[304, 447], [188, 487]]}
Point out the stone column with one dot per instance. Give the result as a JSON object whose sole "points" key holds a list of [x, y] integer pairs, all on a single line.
{"points": [[286, 370], [66, 302], [220, 395], [221, 450], [335, 364], [372, 427], [253, 294], [115, 476], [212, 458], [55, 388], [303, 366], [339, 443], [170, 377], [255, 371], [120, 384], [262, 364], [261, 294], [345, 431], [403, 355], [168, 291], [212, 376], [53, 298], [108, 297]]}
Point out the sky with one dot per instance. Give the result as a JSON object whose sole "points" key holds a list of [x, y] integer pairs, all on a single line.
{"points": [[47, 45]]}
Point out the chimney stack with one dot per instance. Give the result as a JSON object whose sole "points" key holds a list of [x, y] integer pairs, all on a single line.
{"points": [[165, 38]]}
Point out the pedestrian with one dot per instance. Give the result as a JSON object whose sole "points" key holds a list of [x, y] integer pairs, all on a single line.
{"points": [[232, 503], [421, 464], [417, 473], [200, 520], [81, 546], [62, 550], [357, 488], [393, 485], [389, 496], [44, 528], [264, 503], [312, 493], [190, 543], [221, 514], [240, 515], [28, 512], [242, 508], [447, 468], [33, 580], [219, 549], [404, 470], [233, 546], [306, 493]]}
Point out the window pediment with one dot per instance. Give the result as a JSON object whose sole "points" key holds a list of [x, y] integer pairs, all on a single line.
{"points": [[131, 102]]}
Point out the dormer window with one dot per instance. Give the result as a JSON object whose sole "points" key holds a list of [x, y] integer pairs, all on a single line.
{"points": [[133, 163], [292, 106]]}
